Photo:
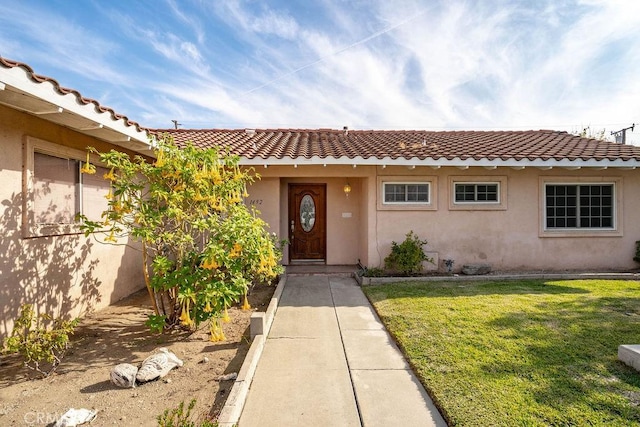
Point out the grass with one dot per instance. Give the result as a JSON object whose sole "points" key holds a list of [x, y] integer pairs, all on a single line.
{"points": [[524, 353]]}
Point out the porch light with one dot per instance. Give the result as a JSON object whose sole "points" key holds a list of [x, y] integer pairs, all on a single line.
{"points": [[346, 189]]}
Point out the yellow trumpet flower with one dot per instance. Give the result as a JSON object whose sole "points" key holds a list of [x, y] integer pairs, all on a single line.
{"points": [[110, 176], [207, 307], [210, 264], [160, 159], [88, 168], [245, 304]]}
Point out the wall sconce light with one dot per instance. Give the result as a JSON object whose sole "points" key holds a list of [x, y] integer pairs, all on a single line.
{"points": [[346, 189]]}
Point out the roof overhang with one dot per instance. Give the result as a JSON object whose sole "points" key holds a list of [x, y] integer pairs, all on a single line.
{"points": [[543, 164], [42, 99]]}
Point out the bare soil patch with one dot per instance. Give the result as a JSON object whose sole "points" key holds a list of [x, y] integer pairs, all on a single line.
{"points": [[117, 335]]}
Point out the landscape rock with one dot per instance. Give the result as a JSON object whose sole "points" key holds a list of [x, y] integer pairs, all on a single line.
{"points": [[75, 417], [228, 377], [476, 269], [124, 375], [157, 365]]}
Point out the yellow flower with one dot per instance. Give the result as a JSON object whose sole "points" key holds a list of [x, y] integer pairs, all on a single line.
{"points": [[111, 237], [217, 334], [210, 264], [160, 159], [207, 307], [245, 304], [110, 176], [236, 251], [185, 319], [225, 317], [88, 168], [109, 195]]}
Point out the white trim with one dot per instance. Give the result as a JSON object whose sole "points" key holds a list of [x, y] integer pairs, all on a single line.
{"points": [[18, 79], [442, 162]]}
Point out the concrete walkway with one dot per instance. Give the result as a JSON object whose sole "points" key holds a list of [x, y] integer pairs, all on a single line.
{"points": [[328, 361]]}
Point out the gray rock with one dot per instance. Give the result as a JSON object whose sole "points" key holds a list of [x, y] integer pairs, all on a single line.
{"points": [[476, 269], [124, 375]]}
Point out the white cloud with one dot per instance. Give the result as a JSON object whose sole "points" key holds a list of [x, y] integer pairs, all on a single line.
{"points": [[369, 64], [265, 21]]}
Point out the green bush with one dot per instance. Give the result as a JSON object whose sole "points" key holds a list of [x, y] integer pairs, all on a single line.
{"points": [[178, 417], [36, 343], [406, 258]]}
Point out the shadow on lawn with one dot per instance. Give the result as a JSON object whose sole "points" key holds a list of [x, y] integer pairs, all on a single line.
{"points": [[572, 360]]}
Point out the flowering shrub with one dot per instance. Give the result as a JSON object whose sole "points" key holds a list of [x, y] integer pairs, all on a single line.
{"points": [[202, 247]]}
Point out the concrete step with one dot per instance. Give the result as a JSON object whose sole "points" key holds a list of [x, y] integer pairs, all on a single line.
{"points": [[630, 355]]}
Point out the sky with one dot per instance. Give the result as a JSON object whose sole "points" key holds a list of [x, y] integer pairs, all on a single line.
{"points": [[366, 64]]}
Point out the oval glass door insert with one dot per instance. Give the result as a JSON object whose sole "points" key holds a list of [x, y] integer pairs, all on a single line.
{"points": [[307, 213]]}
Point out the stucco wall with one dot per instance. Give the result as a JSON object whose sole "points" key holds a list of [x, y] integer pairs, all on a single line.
{"points": [[62, 275], [343, 213], [509, 237]]}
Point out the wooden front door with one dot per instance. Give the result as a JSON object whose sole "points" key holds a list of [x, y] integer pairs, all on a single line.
{"points": [[307, 222]]}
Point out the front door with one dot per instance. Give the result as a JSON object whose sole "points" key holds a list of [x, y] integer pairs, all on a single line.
{"points": [[307, 222]]}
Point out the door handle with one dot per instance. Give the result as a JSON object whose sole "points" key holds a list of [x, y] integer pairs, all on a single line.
{"points": [[292, 228]]}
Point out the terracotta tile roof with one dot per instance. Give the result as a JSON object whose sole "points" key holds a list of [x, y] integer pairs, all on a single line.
{"points": [[37, 78], [540, 145]]}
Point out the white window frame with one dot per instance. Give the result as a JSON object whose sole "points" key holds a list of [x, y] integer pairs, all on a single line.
{"points": [[406, 184], [477, 202], [499, 180], [30, 228], [616, 230], [430, 181]]}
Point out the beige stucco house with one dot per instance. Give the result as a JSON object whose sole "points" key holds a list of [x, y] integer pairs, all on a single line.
{"points": [[518, 200], [530, 200], [44, 259]]}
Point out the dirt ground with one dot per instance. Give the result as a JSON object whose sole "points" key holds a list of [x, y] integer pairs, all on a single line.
{"points": [[117, 335]]}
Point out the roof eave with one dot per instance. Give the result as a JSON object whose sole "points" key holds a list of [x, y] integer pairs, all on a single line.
{"points": [[443, 162], [19, 91]]}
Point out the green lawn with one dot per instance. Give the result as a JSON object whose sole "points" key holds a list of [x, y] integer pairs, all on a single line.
{"points": [[520, 353]]}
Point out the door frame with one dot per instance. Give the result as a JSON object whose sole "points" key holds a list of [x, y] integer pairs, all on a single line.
{"points": [[320, 211]]}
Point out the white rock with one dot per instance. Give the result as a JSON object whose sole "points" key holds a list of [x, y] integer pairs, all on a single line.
{"points": [[75, 417], [228, 377], [124, 375], [157, 365]]}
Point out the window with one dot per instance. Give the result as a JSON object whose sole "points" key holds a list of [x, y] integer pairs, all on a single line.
{"points": [[468, 192], [57, 192], [580, 206], [406, 192], [478, 193]]}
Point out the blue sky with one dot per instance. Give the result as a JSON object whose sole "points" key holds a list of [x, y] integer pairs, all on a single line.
{"points": [[366, 64]]}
